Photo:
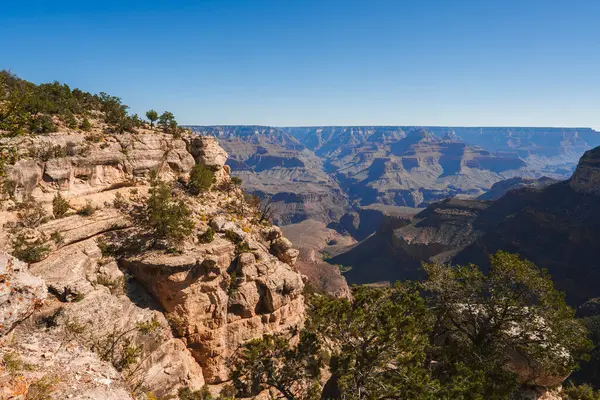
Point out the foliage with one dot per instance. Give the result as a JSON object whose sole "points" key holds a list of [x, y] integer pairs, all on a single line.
{"points": [[13, 363], [271, 362], [236, 181], [201, 179], [207, 236], [31, 214], [115, 285], [152, 116], [167, 217], [8, 156], [60, 206], [379, 342], [29, 108], [29, 251], [185, 393], [118, 346], [85, 125], [57, 237], [448, 337], [581, 392], [482, 317], [42, 388], [167, 122], [87, 210]]}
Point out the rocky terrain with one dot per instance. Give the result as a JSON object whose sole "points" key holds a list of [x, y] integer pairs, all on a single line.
{"points": [[322, 172], [90, 318], [554, 226]]}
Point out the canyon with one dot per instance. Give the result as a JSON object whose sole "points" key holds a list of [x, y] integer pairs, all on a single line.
{"points": [[321, 173]]}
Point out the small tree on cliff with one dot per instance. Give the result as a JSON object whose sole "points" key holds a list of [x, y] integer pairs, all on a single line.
{"points": [[483, 320], [152, 116], [167, 217], [167, 122], [201, 179]]}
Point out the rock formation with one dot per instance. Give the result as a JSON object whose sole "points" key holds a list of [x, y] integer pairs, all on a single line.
{"points": [[554, 226], [179, 314]]}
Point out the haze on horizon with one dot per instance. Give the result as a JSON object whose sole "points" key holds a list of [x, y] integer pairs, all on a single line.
{"points": [[307, 63]]}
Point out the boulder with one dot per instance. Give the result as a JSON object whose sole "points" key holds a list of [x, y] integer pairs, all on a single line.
{"points": [[20, 292]]}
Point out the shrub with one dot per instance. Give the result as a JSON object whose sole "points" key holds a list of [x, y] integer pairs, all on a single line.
{"points": [[31, 214], [168, 218], [60, 206], [167, 121], [42, 388], [116, 286], [152, 116], [236, 181], [85, 125], [29, 251], [42, 124], [208, 236], [201, 179], [581, 392], [119, 202], [187, 394], [57, 237], [87, 210]]}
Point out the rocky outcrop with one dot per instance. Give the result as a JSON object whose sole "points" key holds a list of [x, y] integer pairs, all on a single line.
{"points": [[314, 242], [218, 299], [181, 314], [586, 178], [21, 293], [499, 189], [272, 163], [76, 166], [556, 227]]}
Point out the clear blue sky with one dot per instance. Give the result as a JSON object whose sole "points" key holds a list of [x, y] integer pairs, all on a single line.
{"points": [[329, 62]]}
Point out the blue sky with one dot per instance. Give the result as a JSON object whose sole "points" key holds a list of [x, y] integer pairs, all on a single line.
{"points": [[329, 62]]}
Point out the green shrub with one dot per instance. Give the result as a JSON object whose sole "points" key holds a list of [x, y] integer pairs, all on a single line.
{"points": [[187, 394], [29, 251], [236, 181], [208, 236], [60, 206], [165, 216], [201, 179], [152, 116], [43, 388], [87, 210], [31, 214], [42, 124], [57, 237], [85, 125], [581, 392]]}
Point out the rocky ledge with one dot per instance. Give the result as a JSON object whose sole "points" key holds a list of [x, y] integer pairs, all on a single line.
{"points": [[171, 319]]}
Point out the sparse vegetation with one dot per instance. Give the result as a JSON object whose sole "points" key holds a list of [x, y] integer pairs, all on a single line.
{"points": [[31, 214], [43, 388], [38, 109], [29, 250], [152, 116], [165, 216], [57, 237], [186, 393], [87, 210], [14, 364], [208, 236], [60, 206], [115, 285], [201, 179]]}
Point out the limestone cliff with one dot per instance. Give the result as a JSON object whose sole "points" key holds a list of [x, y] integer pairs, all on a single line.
{"points": [[171, 319]]}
